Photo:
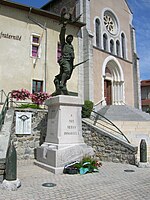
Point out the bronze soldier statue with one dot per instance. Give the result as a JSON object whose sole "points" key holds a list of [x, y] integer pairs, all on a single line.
{"points": [[65, 62]]}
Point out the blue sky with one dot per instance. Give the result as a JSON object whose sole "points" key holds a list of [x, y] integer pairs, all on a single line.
{"points": [[141, 22]]}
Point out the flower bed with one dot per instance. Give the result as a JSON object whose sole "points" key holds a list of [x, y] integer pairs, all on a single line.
{"points": [[36, 98]]}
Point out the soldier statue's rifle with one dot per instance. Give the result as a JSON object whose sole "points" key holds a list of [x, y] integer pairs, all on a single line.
{"points": [[80, 63]]}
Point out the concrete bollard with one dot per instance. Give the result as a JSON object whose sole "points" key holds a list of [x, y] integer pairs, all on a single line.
{"points": [[11, 163], [143, 151], [11, 182]]}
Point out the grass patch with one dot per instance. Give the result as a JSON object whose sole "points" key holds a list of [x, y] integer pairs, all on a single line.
{"points": [[29, 105]]}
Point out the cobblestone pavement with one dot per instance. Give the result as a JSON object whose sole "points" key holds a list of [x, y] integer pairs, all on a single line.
{"points": [[110, 183]]}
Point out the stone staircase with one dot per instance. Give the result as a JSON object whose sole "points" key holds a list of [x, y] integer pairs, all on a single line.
{"points": [[4, 140], [134, 123], [104, 125], [124, 113], [135, 131]]}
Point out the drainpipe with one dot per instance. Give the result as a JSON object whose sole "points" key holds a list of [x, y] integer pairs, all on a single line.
{"points": [[43, 27], [45, 58]]}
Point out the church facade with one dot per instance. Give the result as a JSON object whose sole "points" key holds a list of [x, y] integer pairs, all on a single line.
{"points": [[110, 75]]}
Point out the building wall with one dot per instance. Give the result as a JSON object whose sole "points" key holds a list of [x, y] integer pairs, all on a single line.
{"points": [[57, 5], [124, 67], [88, 79], [121, 12], [96, 69], [98, 59], [17, 67]]}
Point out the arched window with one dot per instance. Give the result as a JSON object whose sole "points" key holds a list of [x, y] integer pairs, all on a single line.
{"points": [[97, 30], [105, 42], [123, 45], [118, 48], [112, 46]]}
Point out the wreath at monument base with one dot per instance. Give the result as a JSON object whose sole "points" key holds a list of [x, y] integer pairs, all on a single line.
{"points": [[86, 165]]}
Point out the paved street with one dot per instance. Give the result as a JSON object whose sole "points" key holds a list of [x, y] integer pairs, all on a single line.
{"points": [[111, 183]]}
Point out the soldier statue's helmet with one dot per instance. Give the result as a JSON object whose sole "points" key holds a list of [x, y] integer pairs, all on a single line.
{"points": [[69, 36]]}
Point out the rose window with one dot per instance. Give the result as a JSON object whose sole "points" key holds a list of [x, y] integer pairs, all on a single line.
{"points": [[110, 22]]}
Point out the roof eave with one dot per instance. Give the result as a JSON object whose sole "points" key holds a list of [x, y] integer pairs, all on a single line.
{"points": [[38, 11]]}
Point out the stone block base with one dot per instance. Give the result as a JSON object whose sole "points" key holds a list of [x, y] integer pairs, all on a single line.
{"points": [[55, 170], [54, 157], [11, 185], [143, 164]]}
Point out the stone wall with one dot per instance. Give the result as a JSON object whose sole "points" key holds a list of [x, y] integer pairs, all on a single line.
{"points": [[2, 169], [26, 144], [107, 147]]}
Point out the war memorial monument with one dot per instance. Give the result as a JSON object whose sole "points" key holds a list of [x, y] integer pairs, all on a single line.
{"points": [[64, 142]]}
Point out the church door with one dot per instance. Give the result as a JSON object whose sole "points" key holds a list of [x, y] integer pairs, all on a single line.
{"points": [[107, 92]]}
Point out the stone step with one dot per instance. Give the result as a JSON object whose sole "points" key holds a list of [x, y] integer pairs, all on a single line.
{"points": [[125, 127], [133, 136], [135, 139], [134, 123], [147, 128], [134, 129], [130, 123], [123, 113], [2, 170]]}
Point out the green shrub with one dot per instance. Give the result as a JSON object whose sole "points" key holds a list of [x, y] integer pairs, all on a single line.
{"points": [[148, 110], [87, 109]]}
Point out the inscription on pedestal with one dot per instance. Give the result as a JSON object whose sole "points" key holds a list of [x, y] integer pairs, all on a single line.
{"points": [[23, 122], [71, 126]]}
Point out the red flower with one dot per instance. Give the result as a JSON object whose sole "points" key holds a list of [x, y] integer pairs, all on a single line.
{"points": [[20, 94], [39, 97]]}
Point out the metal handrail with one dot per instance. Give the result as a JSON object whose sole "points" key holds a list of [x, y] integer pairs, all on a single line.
{"points": [[101, 121], [6, 106], [2, 93], [4, 110]]}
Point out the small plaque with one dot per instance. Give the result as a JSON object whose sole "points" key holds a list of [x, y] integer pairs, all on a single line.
{"points": [[23, 122]]}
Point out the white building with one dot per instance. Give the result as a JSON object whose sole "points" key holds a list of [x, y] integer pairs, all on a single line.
{"points": [[29, 40]]}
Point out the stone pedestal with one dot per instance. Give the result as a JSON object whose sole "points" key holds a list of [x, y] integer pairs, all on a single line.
{"points": [[64, 142]]}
